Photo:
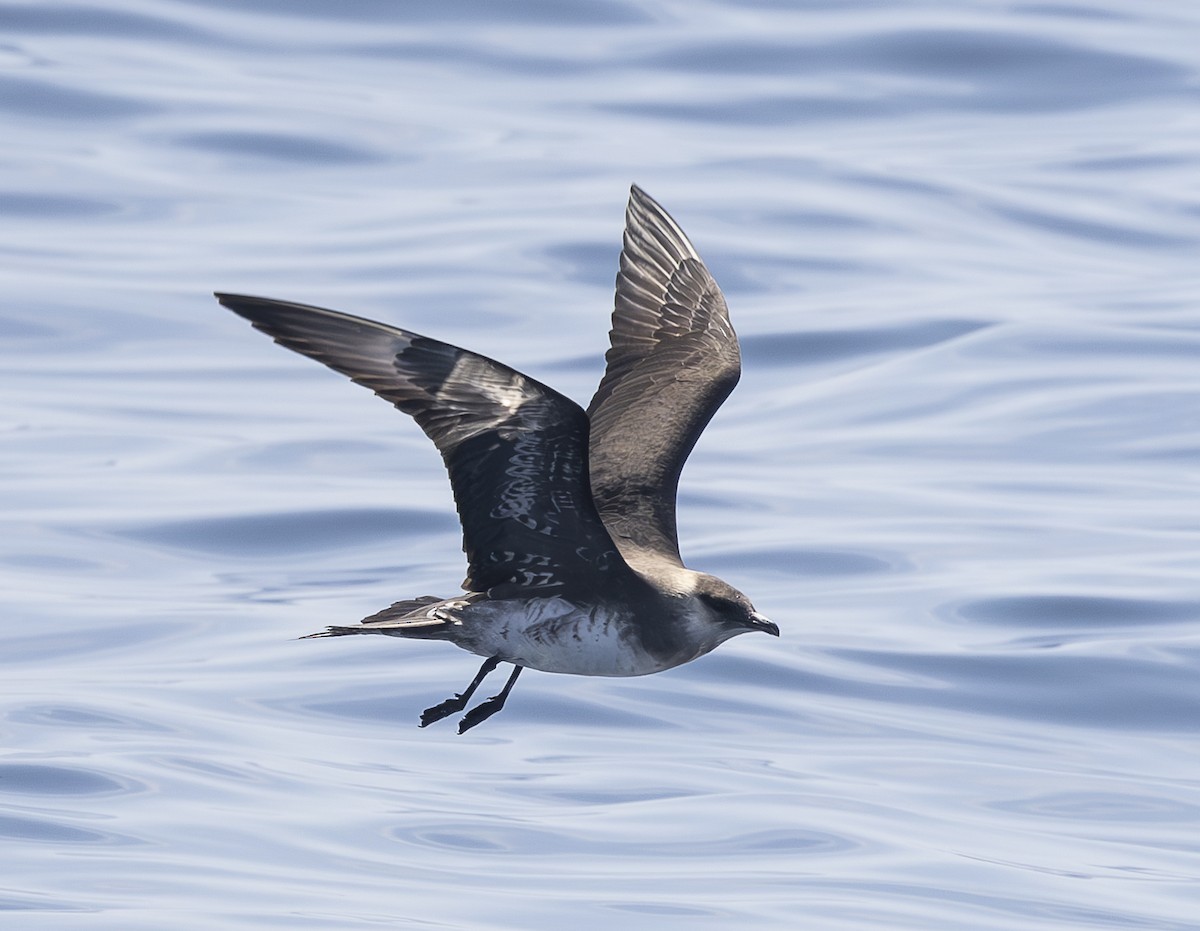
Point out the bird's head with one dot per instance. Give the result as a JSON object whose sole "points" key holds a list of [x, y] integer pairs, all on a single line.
{"points": [[725, 611]]}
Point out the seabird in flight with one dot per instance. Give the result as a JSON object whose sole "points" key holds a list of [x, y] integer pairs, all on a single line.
{"points": [[568, 516]]}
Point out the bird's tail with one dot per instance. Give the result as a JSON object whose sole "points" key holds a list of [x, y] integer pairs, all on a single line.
{"points": [[415, 618], [339, 632]]}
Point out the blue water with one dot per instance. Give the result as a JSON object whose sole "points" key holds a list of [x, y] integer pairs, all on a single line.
{"points": [[962, 469]]}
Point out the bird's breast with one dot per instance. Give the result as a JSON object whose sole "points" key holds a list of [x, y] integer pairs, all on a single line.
{"points": [[557, 635]]}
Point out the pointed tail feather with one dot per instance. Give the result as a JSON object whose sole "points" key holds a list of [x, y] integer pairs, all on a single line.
{"points": [[419, 628], [336, 632], [424, 618]]}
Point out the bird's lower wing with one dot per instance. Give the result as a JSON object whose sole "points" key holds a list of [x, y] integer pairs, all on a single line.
{"points": [[515, 449], [673, 360]]}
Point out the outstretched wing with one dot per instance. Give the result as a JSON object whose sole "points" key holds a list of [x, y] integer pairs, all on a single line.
{"points": [[674, 358], [515, 449]]}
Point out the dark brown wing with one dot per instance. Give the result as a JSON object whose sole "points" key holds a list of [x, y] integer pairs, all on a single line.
{"points": [[516, 450], [674, 359]]}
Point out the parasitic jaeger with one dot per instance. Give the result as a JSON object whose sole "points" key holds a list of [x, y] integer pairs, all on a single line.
{"points": [[568, 516]]}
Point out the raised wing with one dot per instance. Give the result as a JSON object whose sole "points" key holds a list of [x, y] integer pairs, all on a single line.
{"points": [[674, 358], [515, 449]]}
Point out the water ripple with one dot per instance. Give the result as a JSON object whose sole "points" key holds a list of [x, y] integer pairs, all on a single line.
{"points": [[953, 68], [1074, 612], [67, 19], [31, 98], [53, 831], [38, 779], [1092, 807], [292, 532], [279, 147]]}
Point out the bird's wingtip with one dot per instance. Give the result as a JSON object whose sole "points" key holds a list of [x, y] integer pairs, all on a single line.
{"points": [[232, 301], [638, 195]]}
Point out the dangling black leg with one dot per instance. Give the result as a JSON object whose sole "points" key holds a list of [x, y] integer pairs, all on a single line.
{"points": [[485, 709], [459, 701]]}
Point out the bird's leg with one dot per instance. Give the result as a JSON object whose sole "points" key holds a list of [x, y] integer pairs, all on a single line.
{"points": [[459, 701], [485, 709]]}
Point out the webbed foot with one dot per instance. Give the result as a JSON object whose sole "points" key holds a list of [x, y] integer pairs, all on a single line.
{"points": [[442, 710], [458, 702], [485, 709]]}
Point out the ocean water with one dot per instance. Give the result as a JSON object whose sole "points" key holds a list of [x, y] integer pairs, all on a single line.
{"points": [[962, 470]]}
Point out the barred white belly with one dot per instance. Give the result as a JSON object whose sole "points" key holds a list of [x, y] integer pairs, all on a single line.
{"points": [[556, 635]]}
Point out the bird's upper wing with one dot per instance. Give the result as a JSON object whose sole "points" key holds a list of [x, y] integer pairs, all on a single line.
{"points": [[515, 449], [674, 358]]}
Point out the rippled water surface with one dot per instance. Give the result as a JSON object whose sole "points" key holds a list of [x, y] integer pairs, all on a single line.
{"points": [[962, 469]]}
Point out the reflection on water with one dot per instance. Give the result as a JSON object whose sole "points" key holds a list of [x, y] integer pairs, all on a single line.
{"points": [[959, 249]]}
